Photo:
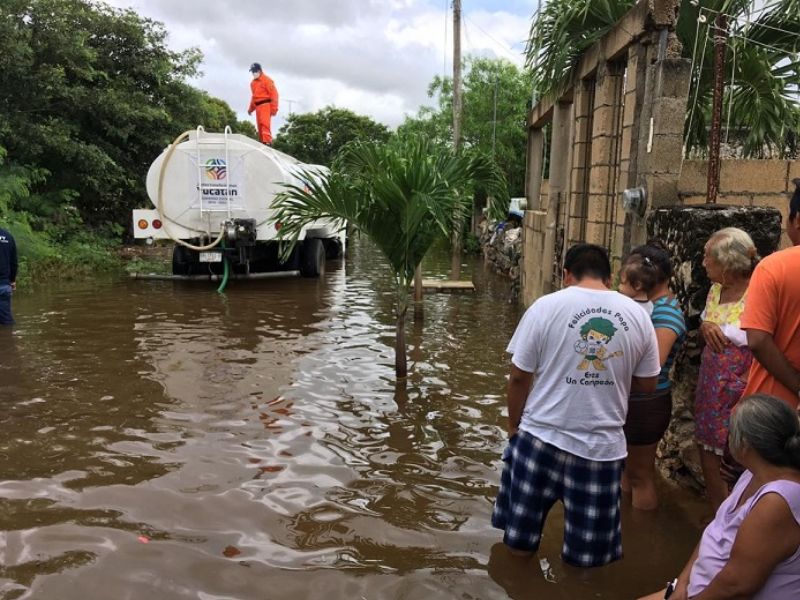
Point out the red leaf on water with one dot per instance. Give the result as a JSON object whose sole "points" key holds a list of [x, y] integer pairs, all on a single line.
{"points": [[231, 551], [271, 469]]}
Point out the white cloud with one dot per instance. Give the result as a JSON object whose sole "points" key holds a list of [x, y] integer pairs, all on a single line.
{"points": [[375, 57]]}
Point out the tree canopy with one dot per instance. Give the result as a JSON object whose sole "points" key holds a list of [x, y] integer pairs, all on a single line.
{"points": [[89, 96], [316, 138], [496, 97]]}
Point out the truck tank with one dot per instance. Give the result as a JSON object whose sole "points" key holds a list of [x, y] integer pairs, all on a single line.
{"points": [[215, 190]]}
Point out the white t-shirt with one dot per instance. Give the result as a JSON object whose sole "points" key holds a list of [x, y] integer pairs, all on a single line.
{"points": [[583, 346], [646, 306]]}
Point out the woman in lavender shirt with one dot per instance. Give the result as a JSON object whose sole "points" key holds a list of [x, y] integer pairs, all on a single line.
{"points": [[752, 547]]}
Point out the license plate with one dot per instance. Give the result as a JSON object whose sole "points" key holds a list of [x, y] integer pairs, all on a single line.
{"points": [[209, 257]]}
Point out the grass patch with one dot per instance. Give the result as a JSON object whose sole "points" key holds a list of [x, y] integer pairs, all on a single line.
{"points": [[43, 258], [143, 259]]}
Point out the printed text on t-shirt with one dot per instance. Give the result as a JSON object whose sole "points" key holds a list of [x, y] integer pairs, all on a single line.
{"points": [[598, 311]]}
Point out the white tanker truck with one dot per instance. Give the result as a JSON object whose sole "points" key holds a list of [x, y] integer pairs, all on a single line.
{"points": [[212, 194]]}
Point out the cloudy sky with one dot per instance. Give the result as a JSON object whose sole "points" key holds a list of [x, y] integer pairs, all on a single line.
{"points": [[375, 57]]}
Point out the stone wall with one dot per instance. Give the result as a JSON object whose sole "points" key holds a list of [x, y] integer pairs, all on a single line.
{"points": [[685, 230], [505, 252], [764, 183], [503, 249]]}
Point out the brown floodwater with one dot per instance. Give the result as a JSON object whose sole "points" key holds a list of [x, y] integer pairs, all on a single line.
{"points": [[160, 441]]}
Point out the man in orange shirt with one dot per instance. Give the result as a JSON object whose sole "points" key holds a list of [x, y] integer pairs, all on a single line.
{"points": [[772, 318], [264, 101]]}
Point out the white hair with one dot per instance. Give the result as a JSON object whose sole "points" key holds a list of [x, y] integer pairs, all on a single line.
{"points": [[734, 250]]}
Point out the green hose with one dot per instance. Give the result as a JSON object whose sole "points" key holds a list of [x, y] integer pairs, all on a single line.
{"points": [[225, 273]]}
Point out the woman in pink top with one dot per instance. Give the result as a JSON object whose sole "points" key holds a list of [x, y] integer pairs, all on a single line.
{"points": [[752, 547]]}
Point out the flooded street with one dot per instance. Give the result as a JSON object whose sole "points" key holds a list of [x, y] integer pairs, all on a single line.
{"points": [[160, 441]]}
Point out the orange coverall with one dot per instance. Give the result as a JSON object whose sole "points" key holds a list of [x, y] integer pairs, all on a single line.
{"points": [[265, 102]]}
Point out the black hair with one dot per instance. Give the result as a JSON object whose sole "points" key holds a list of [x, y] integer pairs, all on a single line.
{"points": [[657, 253], [769, 427], [640, 272], [588, 260], [794, 203]]}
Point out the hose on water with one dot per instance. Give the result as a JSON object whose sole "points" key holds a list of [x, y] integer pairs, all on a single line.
{"points": [[226, 270], [160, 202]]}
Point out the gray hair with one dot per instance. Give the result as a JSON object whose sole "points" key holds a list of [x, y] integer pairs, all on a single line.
{"points": [[768, 426], [734, 250]]}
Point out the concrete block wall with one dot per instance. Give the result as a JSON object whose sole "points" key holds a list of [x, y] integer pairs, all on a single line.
{"points": [[622, 97], [533, 226], [606, 156], [581, 160], [757, 183]]}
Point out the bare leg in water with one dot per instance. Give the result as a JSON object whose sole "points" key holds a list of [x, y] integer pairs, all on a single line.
{"points": [[639, 476]]}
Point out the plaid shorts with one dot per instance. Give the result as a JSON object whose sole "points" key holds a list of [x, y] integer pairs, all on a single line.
{"points": [[535, 475]]}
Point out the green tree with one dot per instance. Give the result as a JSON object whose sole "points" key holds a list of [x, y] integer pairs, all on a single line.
{"points": [[496, 97], [761, 95], [316, 138], [403, 195], [89, 96]]}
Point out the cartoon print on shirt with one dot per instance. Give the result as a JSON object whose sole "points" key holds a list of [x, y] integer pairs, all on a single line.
{"points": [[595, 335]]}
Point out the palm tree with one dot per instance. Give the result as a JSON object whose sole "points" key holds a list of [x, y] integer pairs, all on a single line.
{"points": [[762, 69], [402, 195]]}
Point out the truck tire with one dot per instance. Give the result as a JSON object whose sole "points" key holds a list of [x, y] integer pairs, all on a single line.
{"points": [[333, 248], [180, 260], [312, 258]]}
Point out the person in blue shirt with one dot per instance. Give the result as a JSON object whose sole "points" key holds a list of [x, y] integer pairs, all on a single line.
{"points": [[8, 275], [649, 414]]}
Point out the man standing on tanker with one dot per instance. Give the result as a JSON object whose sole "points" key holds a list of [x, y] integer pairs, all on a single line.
{"points": [[264, 101]]}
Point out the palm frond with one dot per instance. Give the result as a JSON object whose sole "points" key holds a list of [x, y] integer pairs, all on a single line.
{"points": [[762, 81], [403, 195]]}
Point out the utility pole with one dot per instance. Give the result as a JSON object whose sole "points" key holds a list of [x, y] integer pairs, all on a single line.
{"points": [[476, 207], [457, 104], [494, 115], [720, 40], [455, 265], [291, 103]]}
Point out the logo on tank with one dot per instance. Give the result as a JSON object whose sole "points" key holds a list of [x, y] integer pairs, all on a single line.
{"points": [[216, 169]]}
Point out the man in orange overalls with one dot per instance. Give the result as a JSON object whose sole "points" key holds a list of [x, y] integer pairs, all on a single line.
{"points": [[264, 101]]}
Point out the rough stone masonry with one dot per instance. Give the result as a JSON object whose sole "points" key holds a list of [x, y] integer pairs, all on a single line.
{"points": [[685, 230]]}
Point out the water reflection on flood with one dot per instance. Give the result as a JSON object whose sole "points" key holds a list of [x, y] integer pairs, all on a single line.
{"points": [[158, 440]]}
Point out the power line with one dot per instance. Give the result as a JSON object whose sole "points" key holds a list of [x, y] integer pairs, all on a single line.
{"points": [[696, 91], [444, 53], [749, 23], [763, 45], [499, 44], [731, 87], [757, 24], [767, 7], [466, 36]]}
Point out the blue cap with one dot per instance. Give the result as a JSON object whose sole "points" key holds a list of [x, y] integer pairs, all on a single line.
{"points": [[255, 68]]}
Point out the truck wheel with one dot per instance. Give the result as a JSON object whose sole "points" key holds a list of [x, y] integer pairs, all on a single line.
{"points": [[333, 248], [312, 258], [180, 260]]}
